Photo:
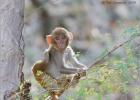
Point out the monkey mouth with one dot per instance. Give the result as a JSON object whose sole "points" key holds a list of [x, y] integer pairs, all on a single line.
{"points": [[61, 46]]}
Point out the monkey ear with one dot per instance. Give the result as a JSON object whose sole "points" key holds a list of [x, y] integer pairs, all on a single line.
{"points": [[49, 39], [70, 36]]}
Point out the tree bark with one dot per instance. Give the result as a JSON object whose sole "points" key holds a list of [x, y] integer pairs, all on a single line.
{"points": [[11, 47]]}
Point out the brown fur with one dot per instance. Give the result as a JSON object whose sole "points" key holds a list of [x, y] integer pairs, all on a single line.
{"points": [[54, 63]]}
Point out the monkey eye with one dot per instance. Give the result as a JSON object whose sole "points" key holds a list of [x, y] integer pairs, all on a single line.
{"points": [[56, 38], [63, 37], [60, 37]]}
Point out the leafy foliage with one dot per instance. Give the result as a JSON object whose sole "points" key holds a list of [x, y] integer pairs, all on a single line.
{"points": [[116, 75]]}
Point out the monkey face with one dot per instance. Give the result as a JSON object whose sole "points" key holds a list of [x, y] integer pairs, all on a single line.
{"points": [[61, 41], [60, 38]]}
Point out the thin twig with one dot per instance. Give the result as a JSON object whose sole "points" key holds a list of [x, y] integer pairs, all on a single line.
{"points": [[111, 51]]}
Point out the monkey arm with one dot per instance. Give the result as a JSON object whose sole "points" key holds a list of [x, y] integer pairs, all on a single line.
{"points": [[46, 56], [66, 70], [45, 80], [76, 63], [73, 60]]}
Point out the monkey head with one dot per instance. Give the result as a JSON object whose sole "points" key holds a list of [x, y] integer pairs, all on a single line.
{"points": [[60, 38]]}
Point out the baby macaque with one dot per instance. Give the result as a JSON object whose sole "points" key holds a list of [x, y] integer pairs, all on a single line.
{"points": [[59, 69]]}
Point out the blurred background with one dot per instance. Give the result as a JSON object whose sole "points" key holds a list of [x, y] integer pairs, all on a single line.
{"points": [[97, 25]]}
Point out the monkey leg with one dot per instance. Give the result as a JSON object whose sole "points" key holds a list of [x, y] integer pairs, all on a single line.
{"points": [[46, 81], [65, 83], [37, 70], [70, 81]]}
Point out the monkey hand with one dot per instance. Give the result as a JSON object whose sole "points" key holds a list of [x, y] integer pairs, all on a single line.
{"points": [[81, 70]]}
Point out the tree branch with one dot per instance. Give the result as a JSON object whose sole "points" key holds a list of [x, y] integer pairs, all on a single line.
{"points": [[111, 51]]}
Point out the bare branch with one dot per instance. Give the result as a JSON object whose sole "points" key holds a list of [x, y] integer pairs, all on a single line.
{"points": [[111, 51]]}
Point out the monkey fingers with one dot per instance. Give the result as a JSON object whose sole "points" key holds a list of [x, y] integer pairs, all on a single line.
{"points": [[82, 74]]}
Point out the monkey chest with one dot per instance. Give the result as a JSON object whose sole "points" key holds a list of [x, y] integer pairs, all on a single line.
{"points": [[57, 61], [55, 65], [54, 72]]}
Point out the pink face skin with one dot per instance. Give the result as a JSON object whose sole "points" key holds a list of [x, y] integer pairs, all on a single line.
{"points": [[61, 41]]}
